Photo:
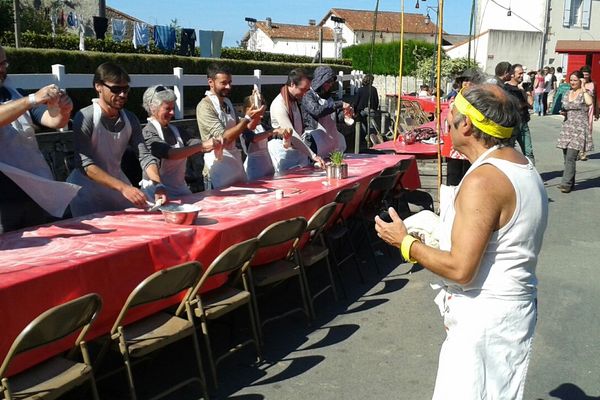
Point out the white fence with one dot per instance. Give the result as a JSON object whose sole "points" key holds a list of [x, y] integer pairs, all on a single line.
{"points": [[178, 80]]}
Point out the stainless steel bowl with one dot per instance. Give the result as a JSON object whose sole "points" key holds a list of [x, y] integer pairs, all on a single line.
{"points": [[184, 214]]}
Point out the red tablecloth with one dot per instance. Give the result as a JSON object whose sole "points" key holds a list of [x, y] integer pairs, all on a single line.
{"points": [[110, 253]]}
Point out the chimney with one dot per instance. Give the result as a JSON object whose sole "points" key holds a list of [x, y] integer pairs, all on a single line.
{"points": [[312, 22], [269, 23]]}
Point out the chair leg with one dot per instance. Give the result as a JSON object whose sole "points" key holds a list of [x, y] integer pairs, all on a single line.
{"points": [[211, 361], [305, 290], [370, 245], [250, 284], [255, 334], [331, 280], [190, 317], [130, 379]]}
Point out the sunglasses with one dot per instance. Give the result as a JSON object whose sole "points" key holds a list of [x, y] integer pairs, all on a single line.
{"points": [[117, 89], [158, 89]]}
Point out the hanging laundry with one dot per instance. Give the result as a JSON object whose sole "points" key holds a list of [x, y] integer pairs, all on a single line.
{"points": [[164, 37], [205, 43], [217, 41], [61, 20], [81, 35], [141, 37], [72, 20], [119, 27], [100, 27], [188, 42]]}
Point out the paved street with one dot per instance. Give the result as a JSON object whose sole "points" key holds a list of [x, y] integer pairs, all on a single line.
{"points": [[382, 342]]}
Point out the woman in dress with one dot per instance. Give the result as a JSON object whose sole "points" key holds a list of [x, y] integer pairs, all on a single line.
{"points": [[170, 147], [593, 112], [575, 128]]}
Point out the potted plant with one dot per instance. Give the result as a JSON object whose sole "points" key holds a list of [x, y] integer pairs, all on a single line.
{"points": [[337, 168]]}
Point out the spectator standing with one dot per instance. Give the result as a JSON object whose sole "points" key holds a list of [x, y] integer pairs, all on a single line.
{"points": [[549, 86], [575, 129], [594, 110], [525, 101], [538, 92]]}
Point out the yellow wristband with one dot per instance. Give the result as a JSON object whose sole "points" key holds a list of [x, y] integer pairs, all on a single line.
{"points": [[407, 242]]}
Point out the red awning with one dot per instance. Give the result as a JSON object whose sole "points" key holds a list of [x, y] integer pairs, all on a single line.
{"points": [[577, 46]]}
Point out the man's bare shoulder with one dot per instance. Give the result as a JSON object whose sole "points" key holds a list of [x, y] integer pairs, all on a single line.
{"points": [[486, 184]]}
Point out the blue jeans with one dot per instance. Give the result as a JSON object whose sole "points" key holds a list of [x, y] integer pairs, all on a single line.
{"points": [[537, 103]]}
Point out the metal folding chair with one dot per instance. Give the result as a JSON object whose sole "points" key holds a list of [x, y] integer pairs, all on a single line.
{"points": [[276, 272], [218, 302], [316, 250], [56, 376], [143, 337]]}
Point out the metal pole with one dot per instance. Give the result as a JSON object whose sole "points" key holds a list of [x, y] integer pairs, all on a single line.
{"points": [[320, 45], [17, 19]]}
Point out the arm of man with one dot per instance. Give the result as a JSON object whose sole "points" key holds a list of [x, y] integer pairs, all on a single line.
{"points": [[310, 103], [280, 119], [58, 112], [485, 203], [210, 126], [58, 102]]}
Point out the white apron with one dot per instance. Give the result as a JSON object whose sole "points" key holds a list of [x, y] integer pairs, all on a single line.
{"points": [[327, 137], [487, 347], [108, 149], [229, 169], [258, 161], [22, 161], [172, 172]]}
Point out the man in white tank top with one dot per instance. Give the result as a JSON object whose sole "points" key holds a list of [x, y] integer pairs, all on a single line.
{"points": [[491, 235]]}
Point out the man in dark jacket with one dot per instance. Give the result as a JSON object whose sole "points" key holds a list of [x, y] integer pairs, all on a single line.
{"points": [[319, 114], [525, 99]]}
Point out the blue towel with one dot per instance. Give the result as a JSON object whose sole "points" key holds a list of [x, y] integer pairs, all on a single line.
{"points": [[205, 43], [217, 41], [141, 38], [164, 37], [119, 27]]}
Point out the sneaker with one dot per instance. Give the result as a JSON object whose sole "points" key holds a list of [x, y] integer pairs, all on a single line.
{"points": [[565, 189]]}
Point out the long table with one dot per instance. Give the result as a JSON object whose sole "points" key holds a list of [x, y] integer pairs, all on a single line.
{"points": [[110, 253]]}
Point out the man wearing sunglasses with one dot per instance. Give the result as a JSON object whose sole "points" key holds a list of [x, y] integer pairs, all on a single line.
{"points": [[102, 132], [28, 192]]}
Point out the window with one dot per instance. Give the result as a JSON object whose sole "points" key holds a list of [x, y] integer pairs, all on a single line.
{"points": [[576, 12]]}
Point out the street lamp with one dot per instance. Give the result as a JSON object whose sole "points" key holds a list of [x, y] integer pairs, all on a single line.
{"points": [[252, 37], [435, 40], [337, 36]]}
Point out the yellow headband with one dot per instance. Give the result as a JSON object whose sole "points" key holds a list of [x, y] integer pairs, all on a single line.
{"points": [[479, 120]]}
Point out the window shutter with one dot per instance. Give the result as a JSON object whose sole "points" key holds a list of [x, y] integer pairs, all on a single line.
{"points": [[567, 14], [586, 14]]}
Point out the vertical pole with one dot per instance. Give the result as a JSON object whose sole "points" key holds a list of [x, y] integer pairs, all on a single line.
{"points": [[257, 75], [58, 71], [17, 19], [341, 85], [438, 123], [320, 44]]}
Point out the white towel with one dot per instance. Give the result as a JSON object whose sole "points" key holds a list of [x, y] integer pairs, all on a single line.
{"points": [[425, 224]]}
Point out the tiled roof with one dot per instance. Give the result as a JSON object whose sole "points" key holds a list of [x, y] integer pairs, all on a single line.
{"points": [[387, 21], [297, 32], [114, 13]]}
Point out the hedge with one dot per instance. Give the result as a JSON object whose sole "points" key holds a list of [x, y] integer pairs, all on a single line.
{"points": [[386, 56], [71, 42], [31, 61]]}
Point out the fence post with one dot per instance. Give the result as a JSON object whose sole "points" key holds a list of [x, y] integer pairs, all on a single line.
{"points": [[257, 75], [58, 70], [353, 82], [178, 89], [341, 85]]}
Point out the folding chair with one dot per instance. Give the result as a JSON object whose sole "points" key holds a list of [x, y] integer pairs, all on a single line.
{"points": [[141, 338], [316, 249], [374, 201], [407, 202], [276, 272], [340, 230], [54, 377], [226, 298]]}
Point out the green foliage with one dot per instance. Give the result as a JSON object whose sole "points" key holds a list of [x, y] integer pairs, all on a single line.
{"points": [[242, 54], [336, 157], [386, 56], [450, 67]]}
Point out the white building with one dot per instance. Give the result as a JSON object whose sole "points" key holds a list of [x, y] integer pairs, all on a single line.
{"points": [[300, 40], [527, 31]]}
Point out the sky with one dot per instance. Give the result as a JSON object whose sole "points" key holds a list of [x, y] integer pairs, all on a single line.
{"points": [[228, 16]]}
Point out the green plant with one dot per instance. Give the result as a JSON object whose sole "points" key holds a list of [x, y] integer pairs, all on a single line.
{"points": [[336, 157]]}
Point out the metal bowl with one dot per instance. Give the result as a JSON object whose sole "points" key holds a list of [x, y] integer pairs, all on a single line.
{"points": [[180, 214]]}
